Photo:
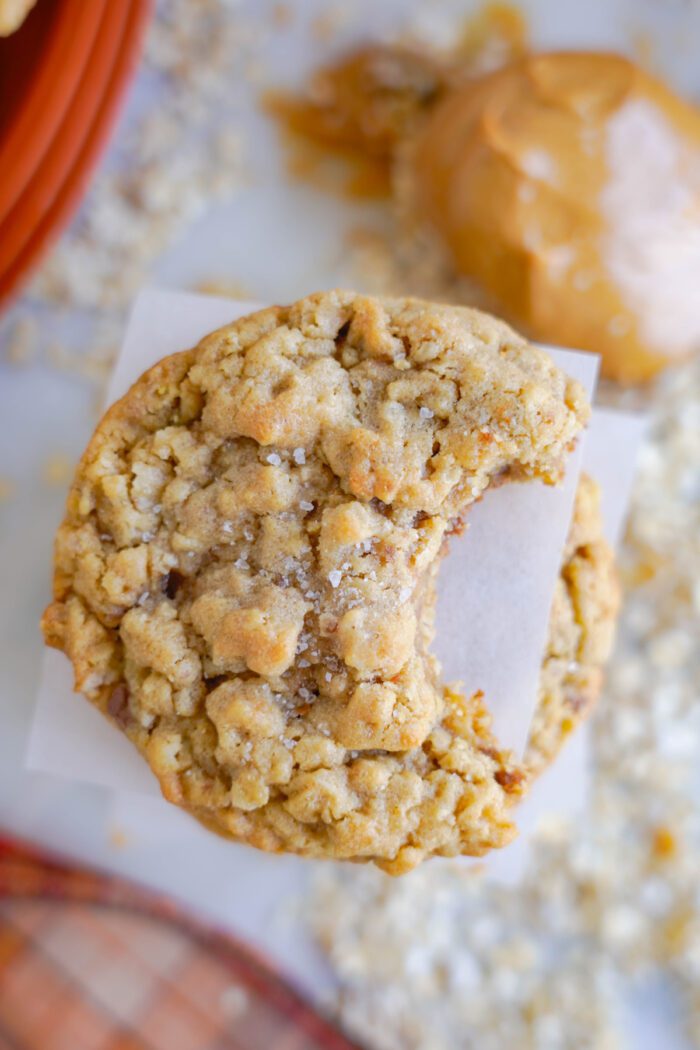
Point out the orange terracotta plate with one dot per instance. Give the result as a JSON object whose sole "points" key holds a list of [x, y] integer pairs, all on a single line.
{"points": [[50, 200], [41, 106], [41, 189]]}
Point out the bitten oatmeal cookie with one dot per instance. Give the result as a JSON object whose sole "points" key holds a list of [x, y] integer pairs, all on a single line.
{"points": [[244, 577], [581, 630]]}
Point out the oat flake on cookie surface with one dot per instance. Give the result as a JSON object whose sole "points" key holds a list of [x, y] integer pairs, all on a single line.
{"points": [[244, 580]]}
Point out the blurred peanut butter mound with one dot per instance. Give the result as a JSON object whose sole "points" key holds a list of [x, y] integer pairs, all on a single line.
{"points": [[566, 185]]}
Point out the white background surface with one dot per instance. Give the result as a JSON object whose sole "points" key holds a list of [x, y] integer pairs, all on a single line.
{"points": [[280, 243]]}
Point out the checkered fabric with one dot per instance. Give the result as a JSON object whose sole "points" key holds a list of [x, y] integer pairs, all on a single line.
{"points": [[89, 962]]}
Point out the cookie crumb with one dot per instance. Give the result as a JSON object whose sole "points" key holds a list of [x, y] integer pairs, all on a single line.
{"points": [[118, 838], [57, 470]]}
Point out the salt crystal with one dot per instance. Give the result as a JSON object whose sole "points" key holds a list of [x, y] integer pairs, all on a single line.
{"points": [[299, 456], [404, 595], [334, 577], [425, 413], [305, 505], [274, 459]]}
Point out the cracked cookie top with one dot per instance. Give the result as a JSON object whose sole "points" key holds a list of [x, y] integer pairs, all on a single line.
{"points": [[244, 577]]}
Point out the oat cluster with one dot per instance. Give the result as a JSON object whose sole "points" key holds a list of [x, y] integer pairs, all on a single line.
{"points": [[245, 576]]}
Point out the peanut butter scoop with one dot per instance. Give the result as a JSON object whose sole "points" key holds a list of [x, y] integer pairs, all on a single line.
{"points": [[568, 186]]}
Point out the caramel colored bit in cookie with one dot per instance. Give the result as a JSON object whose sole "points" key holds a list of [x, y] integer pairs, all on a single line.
{"points": [[244, 578]]}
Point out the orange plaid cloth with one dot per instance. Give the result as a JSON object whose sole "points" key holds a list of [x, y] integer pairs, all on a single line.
{"points": [[89, 962]]}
